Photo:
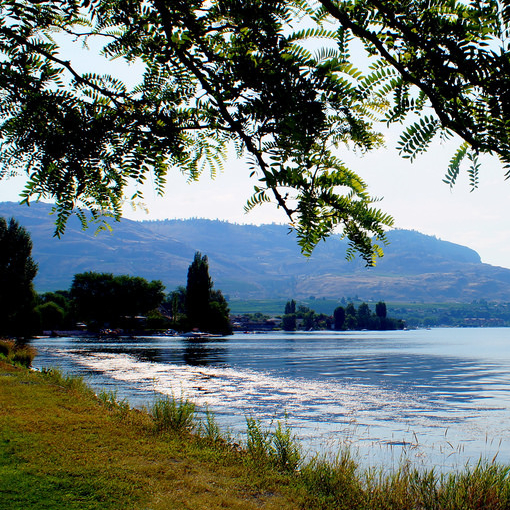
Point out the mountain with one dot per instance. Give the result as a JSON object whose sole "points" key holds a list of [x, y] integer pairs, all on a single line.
{"points": [[256, 262]]}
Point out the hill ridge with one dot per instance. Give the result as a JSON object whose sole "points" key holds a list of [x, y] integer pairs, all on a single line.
{"points": [[260, 261]]}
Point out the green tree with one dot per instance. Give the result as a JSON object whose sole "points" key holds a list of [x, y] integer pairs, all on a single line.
{"points": [[198, 291], [17, 272], [218, 314], [135, 295], [363, 316], [309, 321], [289, 322], [290, 307], [339, 317], [52, 316], [93, 297], [174, 304], [380, 309], [206, 309], [102, 299], [351, 321]]}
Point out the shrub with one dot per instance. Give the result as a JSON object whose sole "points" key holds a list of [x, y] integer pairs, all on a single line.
{"points": [[6, 347], [24, 356], [210, 428], [286, 449], [258, 440]]}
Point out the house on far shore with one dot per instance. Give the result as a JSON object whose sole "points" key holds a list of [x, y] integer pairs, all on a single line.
{"points": [[255, 323]]}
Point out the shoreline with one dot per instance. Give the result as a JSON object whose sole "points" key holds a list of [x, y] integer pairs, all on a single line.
{"points": [[62, 444]]}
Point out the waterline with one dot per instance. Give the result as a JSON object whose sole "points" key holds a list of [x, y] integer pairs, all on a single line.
{"points": [[382, 395]]}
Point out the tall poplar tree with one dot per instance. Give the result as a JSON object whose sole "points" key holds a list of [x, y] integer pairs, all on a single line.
{"points": [[206, 308], [198, 291]]}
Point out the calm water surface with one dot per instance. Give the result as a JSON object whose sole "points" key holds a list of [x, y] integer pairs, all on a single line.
{"points": [[439, 397]]}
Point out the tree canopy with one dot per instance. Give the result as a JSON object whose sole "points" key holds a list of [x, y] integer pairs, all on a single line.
{"points": [[107, 299], [17, 272], [275, 79]]}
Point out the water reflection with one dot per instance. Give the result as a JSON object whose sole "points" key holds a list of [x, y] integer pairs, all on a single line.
{"points": [[387, 387], [204, 352]]}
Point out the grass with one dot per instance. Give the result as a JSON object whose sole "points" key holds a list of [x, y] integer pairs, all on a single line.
{"points": [[15, 353], [173, 415], [61, 446]]}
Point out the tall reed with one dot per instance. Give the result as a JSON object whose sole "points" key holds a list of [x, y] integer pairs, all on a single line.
{"points": [[279, 447]]}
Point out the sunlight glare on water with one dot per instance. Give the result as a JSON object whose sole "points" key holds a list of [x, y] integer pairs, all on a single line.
{"points": [[440, 397]]}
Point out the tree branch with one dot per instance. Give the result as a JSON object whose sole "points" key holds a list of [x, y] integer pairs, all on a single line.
{"points": [[436, 102], [66, 65], [236, 126]]}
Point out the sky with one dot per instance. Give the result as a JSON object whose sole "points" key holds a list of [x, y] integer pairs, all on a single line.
{"points": [[413, 193]]}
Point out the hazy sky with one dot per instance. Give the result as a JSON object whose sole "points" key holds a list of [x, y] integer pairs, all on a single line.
{"points": [[413, 193]]}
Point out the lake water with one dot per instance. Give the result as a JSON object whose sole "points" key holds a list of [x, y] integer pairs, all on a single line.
{"points": [[439, 397]]}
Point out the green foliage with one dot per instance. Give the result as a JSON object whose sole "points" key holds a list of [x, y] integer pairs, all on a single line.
{"points": [[417, 138], [446, 57], [286, 449], [290, 307], [478, 313], [241, 74], [174, 304], [279, 447], [198, 290], [334, 484], [102, 298], [289, 322], [17, 271], [210, 429], [206, 308], [111, 401], [69, 382], [52, 316], [348, 318], [16, 353], [232, 72], [339, 316], [380, 309], [56, 310], [172, 415]]}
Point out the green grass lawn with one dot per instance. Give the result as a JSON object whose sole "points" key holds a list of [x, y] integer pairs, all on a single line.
{"points": [[59, 448]]}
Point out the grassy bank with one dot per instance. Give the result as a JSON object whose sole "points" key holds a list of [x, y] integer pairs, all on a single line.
{"points": [[63, 447]]}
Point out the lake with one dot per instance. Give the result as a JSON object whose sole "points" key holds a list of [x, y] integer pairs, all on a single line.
{"points": [[438, 397]]}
